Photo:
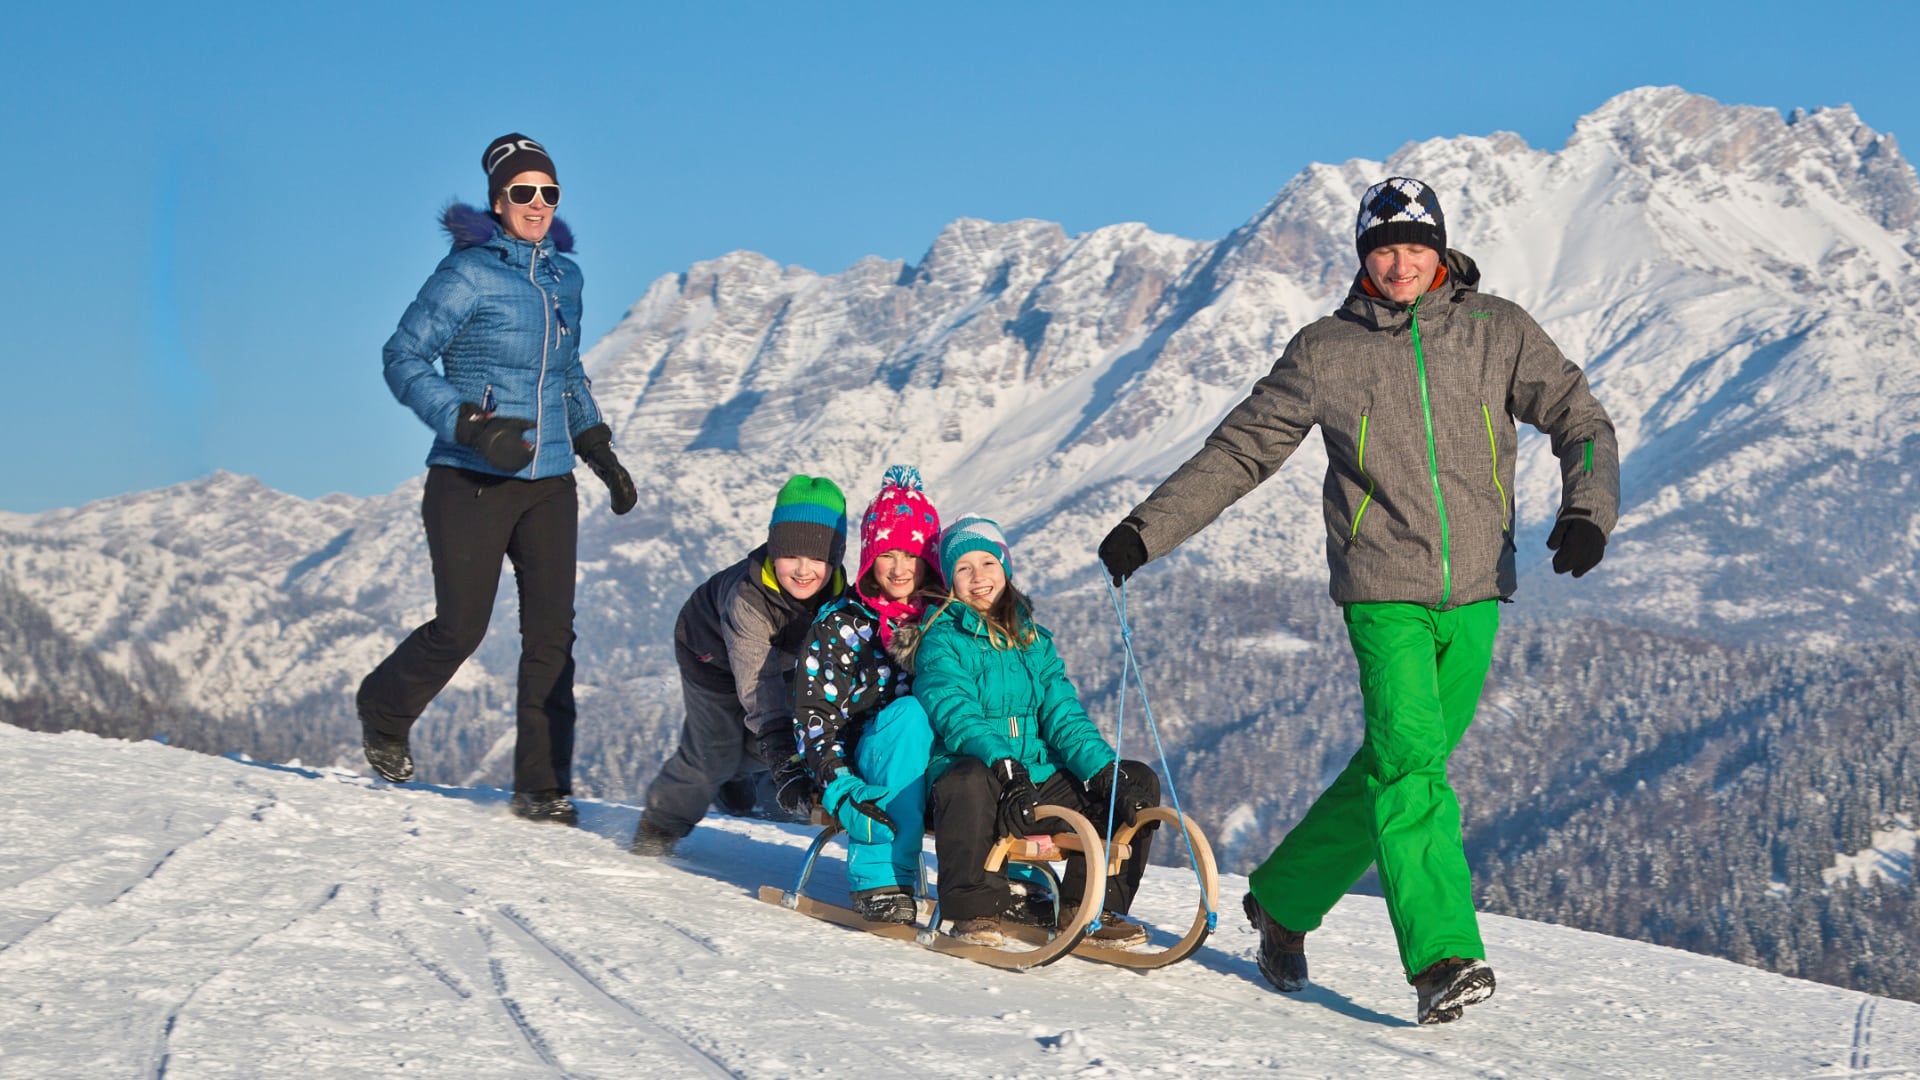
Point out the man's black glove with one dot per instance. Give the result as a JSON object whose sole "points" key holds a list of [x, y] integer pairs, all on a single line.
{"points": [[1577, 544], [1123, 551], [595, 447], [1015, 813], [1132, 795], [497, 438]]}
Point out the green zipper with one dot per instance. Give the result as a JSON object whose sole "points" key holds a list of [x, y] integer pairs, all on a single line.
{"points": [[1589, 455], [1354, 533], [1494, 448], [1433, 459]]}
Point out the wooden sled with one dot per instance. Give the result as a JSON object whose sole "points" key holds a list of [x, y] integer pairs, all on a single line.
{"points": [[1027, 950], [1037, 946]]}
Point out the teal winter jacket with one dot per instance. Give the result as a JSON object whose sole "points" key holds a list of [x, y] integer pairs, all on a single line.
{"points": [[1002, 703]]}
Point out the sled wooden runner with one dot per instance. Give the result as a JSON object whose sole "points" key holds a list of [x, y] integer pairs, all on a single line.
{"points": [[1036, 949], [1147, 959]]}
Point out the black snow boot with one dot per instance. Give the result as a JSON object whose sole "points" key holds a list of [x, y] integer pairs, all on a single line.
{"points": [[391, 758], [651, 841], [1283, 952], [891, 904], [1030, 905], [547, 806], [1451, 985]]}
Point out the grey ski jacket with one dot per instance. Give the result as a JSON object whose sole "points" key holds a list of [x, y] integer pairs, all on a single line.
{"points": [[1416, 404]]}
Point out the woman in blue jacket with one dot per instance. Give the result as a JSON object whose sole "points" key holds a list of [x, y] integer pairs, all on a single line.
{"points": [[1010, 735], [509, 407]]}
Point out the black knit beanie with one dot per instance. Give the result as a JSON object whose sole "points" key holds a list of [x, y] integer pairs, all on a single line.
{"points": [[1400, 211], [510, 155]]}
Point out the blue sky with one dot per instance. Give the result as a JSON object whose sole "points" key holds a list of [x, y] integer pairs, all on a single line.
{"points": [[225, 208]]}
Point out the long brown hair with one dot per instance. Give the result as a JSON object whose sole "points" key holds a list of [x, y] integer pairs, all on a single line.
{"points": [[1009, 623]]}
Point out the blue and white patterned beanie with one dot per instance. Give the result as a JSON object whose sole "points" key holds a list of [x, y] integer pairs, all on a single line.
{"points": [[1398, 210], [973, 533]]}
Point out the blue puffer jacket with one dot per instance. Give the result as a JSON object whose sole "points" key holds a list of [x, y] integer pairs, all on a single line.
{"points": [[503, 318]]}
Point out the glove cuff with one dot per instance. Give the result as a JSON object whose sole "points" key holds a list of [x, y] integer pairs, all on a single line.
{"points": [[593, 440]]}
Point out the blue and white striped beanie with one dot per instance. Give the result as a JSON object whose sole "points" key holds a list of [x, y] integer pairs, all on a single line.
{"points": [[1398, 210], [973, 533]]}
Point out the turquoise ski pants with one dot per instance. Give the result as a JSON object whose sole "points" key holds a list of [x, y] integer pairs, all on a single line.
{"points": [[894, 752], [1421, 673]]}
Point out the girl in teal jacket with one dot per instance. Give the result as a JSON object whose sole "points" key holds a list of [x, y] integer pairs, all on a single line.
{"points": [[1010, 735]]}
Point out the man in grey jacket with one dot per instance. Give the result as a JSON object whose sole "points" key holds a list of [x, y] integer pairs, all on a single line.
{"points": [[1415, 383]]}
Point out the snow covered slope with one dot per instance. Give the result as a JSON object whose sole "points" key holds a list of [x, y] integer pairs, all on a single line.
{"points": [[185, 916]]}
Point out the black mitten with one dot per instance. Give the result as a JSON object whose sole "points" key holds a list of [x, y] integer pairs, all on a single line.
{"points": [[595, 447], [1577, 545], [1015, 813], [1127, 798], [793, 786], [1123, 551], [497, 438]]}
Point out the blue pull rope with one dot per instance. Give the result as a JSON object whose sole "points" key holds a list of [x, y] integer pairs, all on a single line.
{"points": [[1130, 662]]}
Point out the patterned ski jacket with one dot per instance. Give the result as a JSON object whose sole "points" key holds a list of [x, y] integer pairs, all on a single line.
{"points": [[741, 633], [502, 317], [1416, 405], [1002, 703], [845, 676]]}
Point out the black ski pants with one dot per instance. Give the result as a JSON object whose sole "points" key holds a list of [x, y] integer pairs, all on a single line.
{"points": [[962, 808], [473, 520]]}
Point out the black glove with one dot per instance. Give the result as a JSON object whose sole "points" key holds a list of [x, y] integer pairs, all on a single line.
{"points": [[793, 787], [497, 438], [1123, 551], [776, 744], [1015, 813], [1132, 795], [1577, 544], [595, 447]]}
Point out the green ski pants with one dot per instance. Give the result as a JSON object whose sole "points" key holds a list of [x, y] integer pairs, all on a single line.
{"points": [[1421, 672]]}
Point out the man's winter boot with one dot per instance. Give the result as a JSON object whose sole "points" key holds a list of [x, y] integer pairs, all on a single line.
{"points": [[891, 904], [391, 758], [1283, 952], [1451, 985], [980, 931], [547, 806], [651, 841], [1118, 932], [737, 797]]}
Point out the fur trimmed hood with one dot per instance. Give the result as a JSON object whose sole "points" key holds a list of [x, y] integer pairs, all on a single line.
{"points": [[470, 226]]}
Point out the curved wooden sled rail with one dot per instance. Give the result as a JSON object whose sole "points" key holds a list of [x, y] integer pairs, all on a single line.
{"points": [[1209, 876], [1046, 947]]}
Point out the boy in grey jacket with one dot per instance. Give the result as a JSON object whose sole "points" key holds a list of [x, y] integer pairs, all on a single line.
{"points": [[1415, 383]]}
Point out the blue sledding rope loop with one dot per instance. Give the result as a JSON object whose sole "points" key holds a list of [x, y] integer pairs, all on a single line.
{"points": [[1131, 663]]}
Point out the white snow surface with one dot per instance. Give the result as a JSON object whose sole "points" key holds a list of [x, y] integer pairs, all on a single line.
{"points": [[1891, 855], [168, 914]]}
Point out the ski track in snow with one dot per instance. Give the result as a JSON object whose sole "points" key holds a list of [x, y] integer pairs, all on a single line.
{"points": [[187, 917]]}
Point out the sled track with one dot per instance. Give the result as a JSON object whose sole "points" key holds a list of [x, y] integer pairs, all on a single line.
{"points": [[695, 1055], [162, 1050], [1863, 1034]]}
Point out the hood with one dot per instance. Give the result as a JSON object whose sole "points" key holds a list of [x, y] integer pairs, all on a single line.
{"points": [[470, 226]]}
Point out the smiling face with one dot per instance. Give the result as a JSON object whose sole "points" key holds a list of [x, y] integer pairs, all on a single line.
{"points": [[899, 574], [979, 579], [529, 222], [799, 576], [1402, 272]]}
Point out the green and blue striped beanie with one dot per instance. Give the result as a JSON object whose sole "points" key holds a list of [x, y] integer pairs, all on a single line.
{"points": [[809, 521], [973, 533]]}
